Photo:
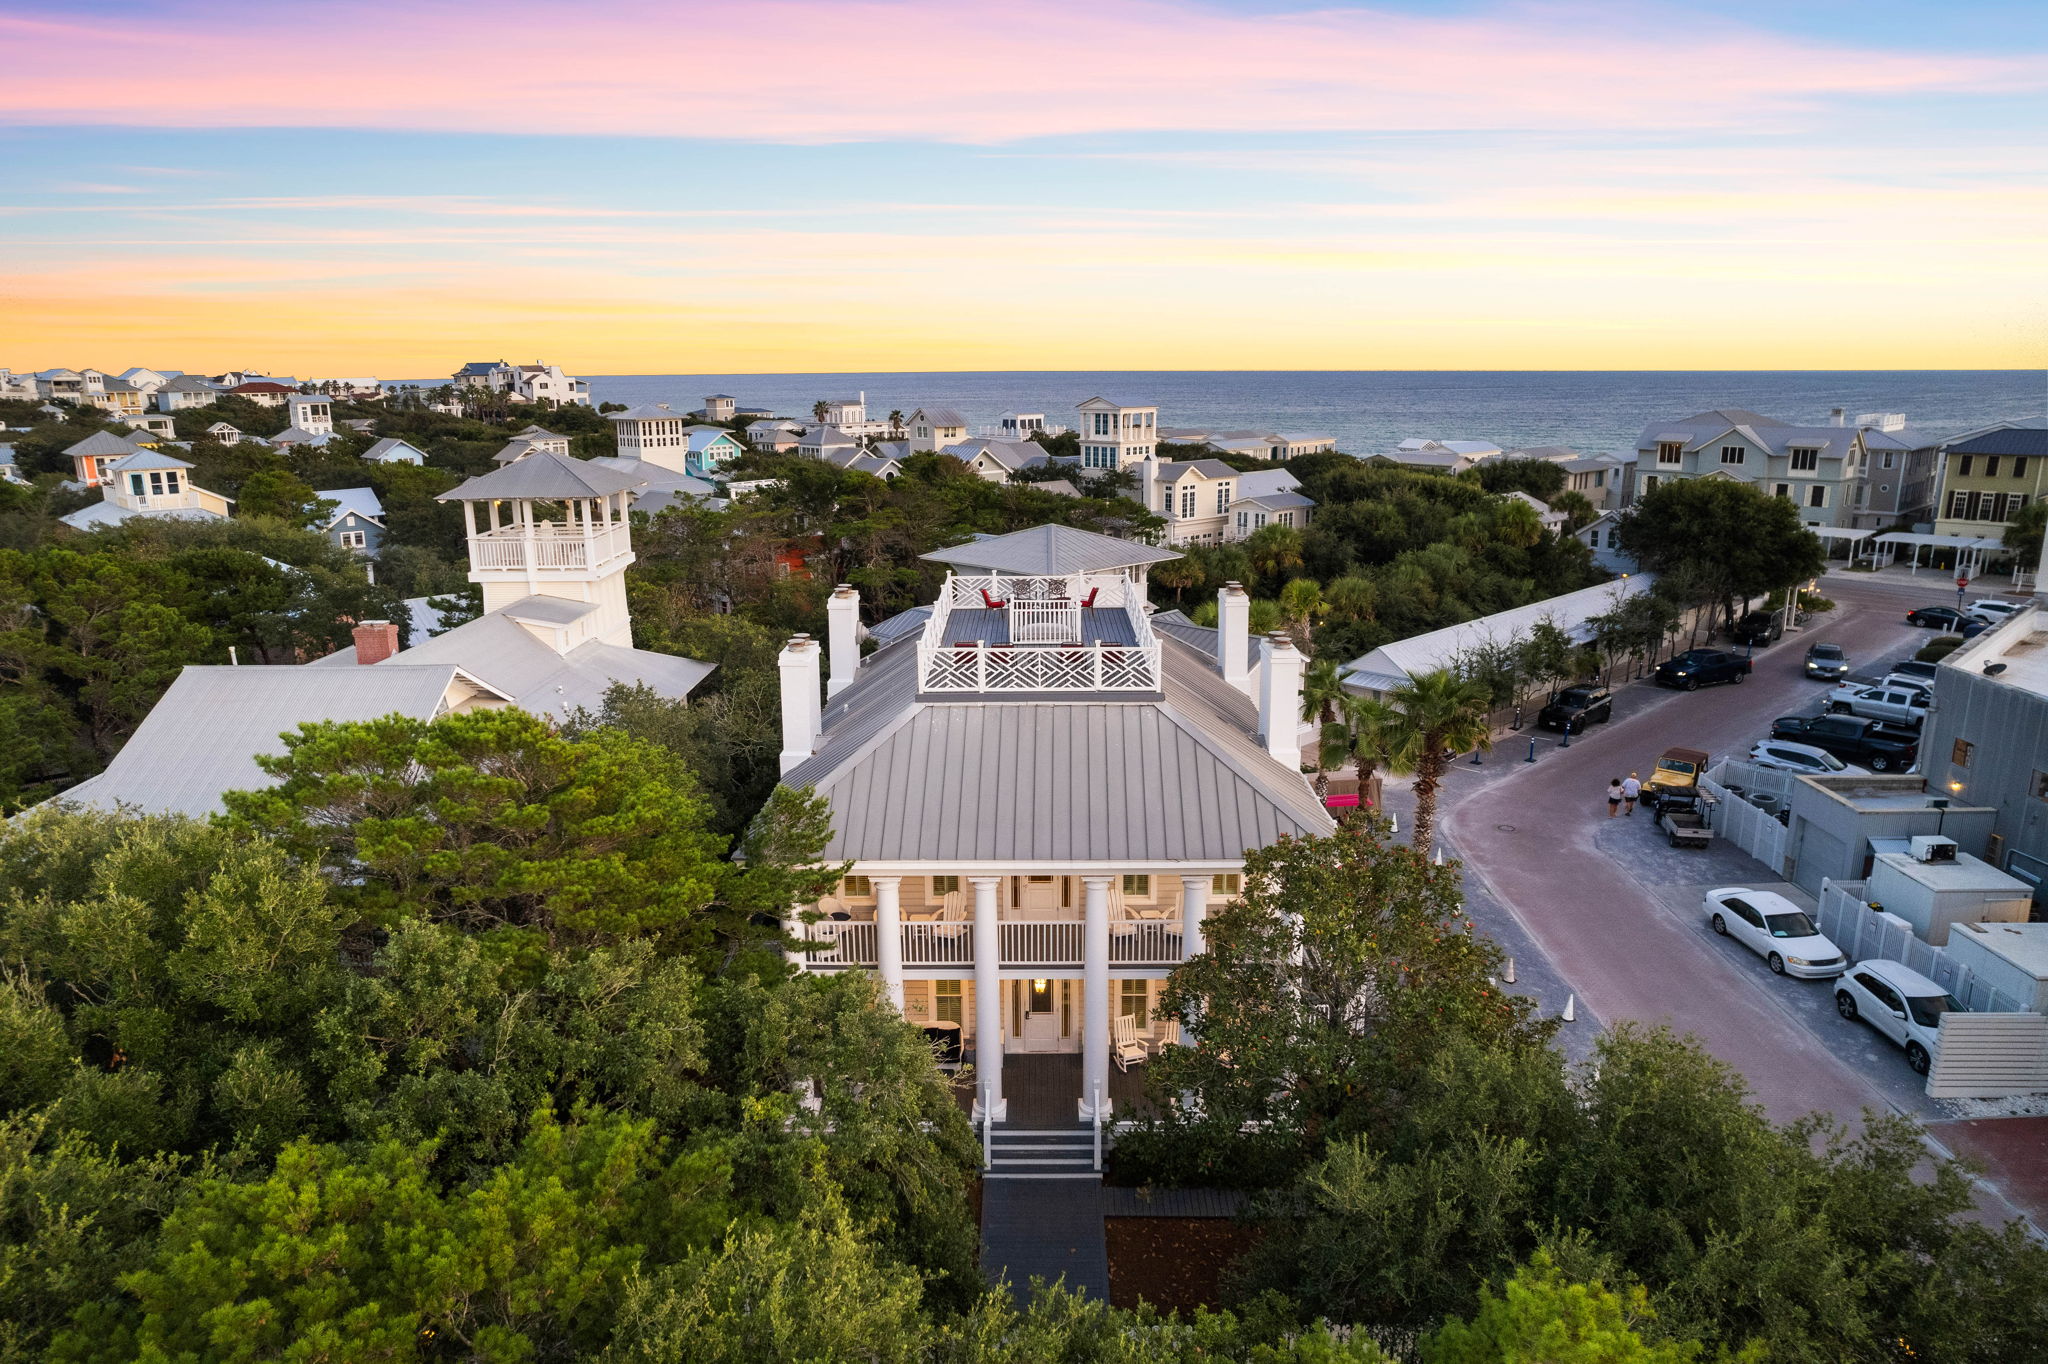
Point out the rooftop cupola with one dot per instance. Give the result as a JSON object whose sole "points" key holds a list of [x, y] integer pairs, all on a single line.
{"points": [[551, 526]]}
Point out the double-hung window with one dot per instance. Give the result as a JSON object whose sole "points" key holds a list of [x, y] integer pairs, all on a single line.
{"points": [[1138, 885], [1805, 461], [1222, 499], [1670, 452], [1731, 454], [1187, 503], [1134, 1000]]}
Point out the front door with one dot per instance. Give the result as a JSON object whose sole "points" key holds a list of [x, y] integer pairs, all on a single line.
{"points": [[1039, 897], [1040, 1015]]}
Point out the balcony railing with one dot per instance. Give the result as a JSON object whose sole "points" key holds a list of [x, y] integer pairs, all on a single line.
{"points": [[1058, 943], [1109, 589], [554, 545], [1038, 668]]}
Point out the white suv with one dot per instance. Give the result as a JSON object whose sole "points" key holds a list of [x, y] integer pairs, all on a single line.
{"points": [[1783, 755], [1991, 610], [1900, 1003]]}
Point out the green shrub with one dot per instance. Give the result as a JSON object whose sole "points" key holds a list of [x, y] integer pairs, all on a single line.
{"points": [[1940, 648]]}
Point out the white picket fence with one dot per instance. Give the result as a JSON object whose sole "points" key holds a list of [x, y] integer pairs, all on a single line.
{"points": [[1863, 933], [1755, 832]]}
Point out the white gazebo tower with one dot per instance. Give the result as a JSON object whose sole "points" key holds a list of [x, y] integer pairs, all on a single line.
{"points": [[551, 526]]}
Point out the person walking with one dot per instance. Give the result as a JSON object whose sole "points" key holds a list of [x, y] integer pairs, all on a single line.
{"points": [[1614, 798], [1631, 791]]}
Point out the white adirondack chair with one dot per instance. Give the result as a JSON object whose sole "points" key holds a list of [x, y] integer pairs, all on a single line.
{"points": [[1124, 1044]]}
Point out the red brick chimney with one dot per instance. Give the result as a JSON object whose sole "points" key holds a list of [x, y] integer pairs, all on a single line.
{"points": [[376, 640]]}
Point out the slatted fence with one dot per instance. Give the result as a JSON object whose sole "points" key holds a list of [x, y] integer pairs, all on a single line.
{"points": [[1989, 1055]]}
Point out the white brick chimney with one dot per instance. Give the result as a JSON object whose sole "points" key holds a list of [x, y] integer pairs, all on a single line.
{"points": [[1280, 700], [842, 618], [1233, 635], [802, 707]]}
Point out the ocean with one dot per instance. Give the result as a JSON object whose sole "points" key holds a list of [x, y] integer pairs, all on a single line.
{"points": [[1372, 411]]}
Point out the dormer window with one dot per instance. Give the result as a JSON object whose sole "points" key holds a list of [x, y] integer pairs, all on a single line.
{"points": [[1670, 452], [1805, 461], [1731, 454]]}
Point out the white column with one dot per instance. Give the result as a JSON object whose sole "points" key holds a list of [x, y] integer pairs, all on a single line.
{"points": [[988, 996], [889, 936], [1194, 908], [1095, 996]]}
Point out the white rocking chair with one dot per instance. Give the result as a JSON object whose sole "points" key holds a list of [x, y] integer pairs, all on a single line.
{"points": [[1124, 1045]]}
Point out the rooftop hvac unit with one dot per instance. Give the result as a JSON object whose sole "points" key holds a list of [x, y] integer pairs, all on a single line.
{"points": [[1930, 849]]}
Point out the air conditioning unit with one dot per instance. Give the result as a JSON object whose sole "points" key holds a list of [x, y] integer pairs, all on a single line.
{"points": [[1930, 849]]}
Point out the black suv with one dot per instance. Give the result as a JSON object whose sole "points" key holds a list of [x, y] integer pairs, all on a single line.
{"points": [[1758, 627], [1585, 704], [1696, 668]]}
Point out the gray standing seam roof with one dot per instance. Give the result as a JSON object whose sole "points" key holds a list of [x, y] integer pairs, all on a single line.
{"points": [[1172, 780], [203, 737], [543, 474], [1051, 549]]}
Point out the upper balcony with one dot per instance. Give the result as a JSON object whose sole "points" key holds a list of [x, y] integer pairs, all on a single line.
{"points": [[549, 547], [1011, 634]]}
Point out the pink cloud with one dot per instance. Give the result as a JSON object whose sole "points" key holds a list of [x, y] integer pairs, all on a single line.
{"points": [[821, 70]]}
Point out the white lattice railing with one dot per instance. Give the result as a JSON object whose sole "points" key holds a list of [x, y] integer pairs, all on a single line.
{"points": [[1110, 589], [1037, 668]]}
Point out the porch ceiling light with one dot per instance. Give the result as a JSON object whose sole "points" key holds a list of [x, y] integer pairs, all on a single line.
{"points": [[1041, 984]]}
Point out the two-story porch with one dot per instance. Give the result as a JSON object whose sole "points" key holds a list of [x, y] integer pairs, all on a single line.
{"points": [[1025, 963]]}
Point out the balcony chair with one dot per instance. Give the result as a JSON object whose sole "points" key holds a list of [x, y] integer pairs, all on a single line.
{"points": [[1124, 1045], [1169, 1035], [990, 602], [953, 915], [1088, 602]]}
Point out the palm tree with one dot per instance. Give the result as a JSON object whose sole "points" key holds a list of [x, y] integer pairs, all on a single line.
{"points": [[1180, 574], [818, 410], [1351, 597], [1322, 691], [1368, 732], [1301, 601], [1441, 715], [1275, 550], [896, 421]]}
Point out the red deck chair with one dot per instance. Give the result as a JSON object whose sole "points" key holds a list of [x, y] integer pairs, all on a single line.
{"points": [[990, 602]]}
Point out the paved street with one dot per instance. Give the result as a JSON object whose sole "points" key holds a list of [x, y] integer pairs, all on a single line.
{"points": [[1617, 912]]}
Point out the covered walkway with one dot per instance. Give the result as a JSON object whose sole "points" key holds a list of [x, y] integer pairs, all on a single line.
{"points": [[1969, 551]]}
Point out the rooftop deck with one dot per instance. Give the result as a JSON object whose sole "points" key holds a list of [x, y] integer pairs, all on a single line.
{"points": [[1004, 634]]}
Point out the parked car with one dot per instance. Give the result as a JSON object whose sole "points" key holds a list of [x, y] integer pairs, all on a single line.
{"points": [[1902, 705], [1784, 755], [1912, 682], [1675, 777], [1937, 618], [1586, 704], [1829, 661], [1914, 671], [1696, 668], [1758, 627], [1873, 743], [1900, 1003], [1990, 610], [1775, 929]]}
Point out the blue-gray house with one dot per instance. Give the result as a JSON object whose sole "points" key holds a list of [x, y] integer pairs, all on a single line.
{"points": [[357, 521]]}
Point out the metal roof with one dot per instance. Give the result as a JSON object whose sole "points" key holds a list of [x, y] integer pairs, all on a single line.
{"points": [[1266, 482], [391, 448], [1179, 779], [1051, 549], [940, 416], [2019, 440], [1177, 624], [1207, 468], [145, 459], [202, 738], [360, 501], [1410, 658], [903, 623], [648, 412], [543, 474], [102, 443]]}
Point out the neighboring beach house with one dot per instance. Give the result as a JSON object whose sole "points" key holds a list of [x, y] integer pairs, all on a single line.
{"points": [[709, 449], [1207, 502], [148, 483], [225, 433], [92, 457], [549, 542], [1268, 497], [524, 383], [773, 433], [263, 392], [1817, 468], [392, 450], [995, 460], [935, 428], [1988, 477], [653, 432], [184, 392], [1116, 435], [1040, 798], [357, 521]]}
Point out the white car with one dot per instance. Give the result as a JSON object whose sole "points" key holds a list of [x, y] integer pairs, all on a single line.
{"points": [[1775, 929], [1901, 705], [1783, 755], [1900, 1003], [1991, 610]]}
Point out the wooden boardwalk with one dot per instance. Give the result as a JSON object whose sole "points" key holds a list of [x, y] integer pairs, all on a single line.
{"points": [[1048, 1229]]}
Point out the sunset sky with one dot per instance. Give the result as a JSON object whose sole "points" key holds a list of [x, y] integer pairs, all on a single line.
{"points": [[347, 187]]}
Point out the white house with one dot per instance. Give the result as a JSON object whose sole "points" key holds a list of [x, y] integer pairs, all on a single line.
{"points": [[995, 460], [1817, 468], [224, 433], [654, 432], [850, 415], [773, 433], [540, 438], [1040, 798], [148, 380], [183, 392], [1116, 435], [1268, 497], [524, 383], [392, 450], [1552, 521], [312, 413], [148, 483], [1019, 425], [92, 457], [18, 387], [1602, 535], [820, 440], [935, 428], [1207, 502]]}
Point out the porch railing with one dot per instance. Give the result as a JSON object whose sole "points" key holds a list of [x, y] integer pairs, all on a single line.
{"points": [[554, 546], [848, 943], [1144, 942], [1026, 943], [941, 944], [983, 668], [1053, 943], [1110, 589]]}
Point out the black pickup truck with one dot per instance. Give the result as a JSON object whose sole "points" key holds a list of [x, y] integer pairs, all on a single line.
{"points": [[1871, 743]]}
